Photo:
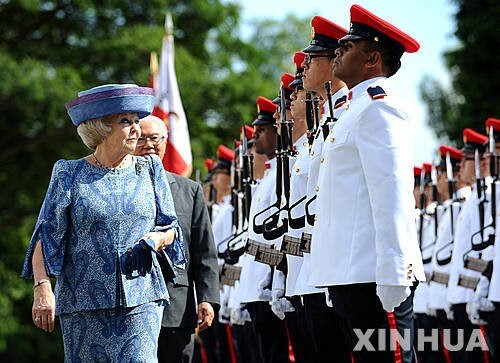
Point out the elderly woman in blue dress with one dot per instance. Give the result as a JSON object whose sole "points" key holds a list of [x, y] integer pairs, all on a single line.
{"points": [[106, 222]]}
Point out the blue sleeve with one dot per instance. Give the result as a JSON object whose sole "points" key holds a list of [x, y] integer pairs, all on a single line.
{"points": [[165, 216], [52, 225]]}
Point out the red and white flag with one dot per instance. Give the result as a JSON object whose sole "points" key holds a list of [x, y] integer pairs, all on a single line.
{"points": [[178, 158]]}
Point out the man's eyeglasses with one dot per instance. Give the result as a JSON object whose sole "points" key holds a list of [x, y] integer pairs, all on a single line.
{"points": [[155, 140], [308, 57]]}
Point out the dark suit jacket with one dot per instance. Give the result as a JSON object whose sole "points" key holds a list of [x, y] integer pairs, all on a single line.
{"points": [[201, 275]]}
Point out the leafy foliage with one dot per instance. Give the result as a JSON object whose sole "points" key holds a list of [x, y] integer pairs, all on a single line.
{"points": [[473, 97]]}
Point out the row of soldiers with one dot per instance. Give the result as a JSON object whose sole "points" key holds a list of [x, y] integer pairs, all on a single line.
{"points": [[319, 237]]}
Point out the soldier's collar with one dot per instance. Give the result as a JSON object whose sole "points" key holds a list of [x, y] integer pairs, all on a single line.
{"points": [[361, 88]]}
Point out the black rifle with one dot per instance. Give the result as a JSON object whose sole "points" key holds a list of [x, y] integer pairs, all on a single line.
{"points": [[312, 216], [309, 118], [330, 119], [259, 228], [271, 230]]}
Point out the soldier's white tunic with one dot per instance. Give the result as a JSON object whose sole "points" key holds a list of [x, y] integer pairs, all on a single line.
{"points": [[365, 230], [303, 285], [421, 297], [253, 272], [443, 250], [467, 225], [494, 292]]}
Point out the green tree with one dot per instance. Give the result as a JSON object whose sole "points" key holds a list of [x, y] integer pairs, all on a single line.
{"points": [[473, 94], [50, 49]]}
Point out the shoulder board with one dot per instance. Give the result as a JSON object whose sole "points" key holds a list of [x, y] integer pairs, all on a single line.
{"points": [[376, 92], [340, 101]]}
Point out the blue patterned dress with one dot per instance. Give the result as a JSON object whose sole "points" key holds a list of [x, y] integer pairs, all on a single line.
{"points": [[88, 220]]}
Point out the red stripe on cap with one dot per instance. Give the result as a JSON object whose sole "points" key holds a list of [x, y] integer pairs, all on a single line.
{"points": [[394, 334]]}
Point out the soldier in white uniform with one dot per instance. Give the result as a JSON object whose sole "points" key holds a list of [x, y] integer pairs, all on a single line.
{"points": [[494, 287], [429, 221], [441, 258], [462, 280], [365, 244], [322, 320], [270, 331], [290, 307]]}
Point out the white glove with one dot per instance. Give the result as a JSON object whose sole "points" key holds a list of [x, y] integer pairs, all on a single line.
{"points": [[431, 312], [449, 312], [264, 292], [239, 316], [224, 311], [281, 306], [392, 296], [480, 302], [328, 299]]}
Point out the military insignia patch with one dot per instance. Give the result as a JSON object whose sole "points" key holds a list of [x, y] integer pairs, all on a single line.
{"points": [[340, 102], [376, 92]]}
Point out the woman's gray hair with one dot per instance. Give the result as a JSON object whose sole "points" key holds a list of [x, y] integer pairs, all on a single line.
{"points": [[94, 131]]}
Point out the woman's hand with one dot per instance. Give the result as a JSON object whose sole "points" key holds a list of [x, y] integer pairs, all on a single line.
{"points": [[44, 307], [162, 239]]}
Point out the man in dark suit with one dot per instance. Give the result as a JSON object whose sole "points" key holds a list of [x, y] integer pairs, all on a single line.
{"points": [[201, 276]]}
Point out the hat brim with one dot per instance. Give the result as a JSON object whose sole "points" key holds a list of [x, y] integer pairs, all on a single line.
{"points": [[350, 37], [296, 82], [316, 48], [263, 121]]}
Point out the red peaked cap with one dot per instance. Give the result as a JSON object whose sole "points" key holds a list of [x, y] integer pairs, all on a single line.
{"points": [[427, 167], [474, 140], [368, 26], [209, 164], [224, 158], [455, 154], [298, 59], [416, 175], [249, 132], [286, 79], [495, 123], [266, 109], [456, 157], [325, 35]]}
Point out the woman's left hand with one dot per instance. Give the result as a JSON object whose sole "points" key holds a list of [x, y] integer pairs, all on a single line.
{"points": [[43, 310], [161, 239]]}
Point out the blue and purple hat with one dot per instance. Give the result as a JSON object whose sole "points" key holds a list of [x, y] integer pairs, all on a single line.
{"points": [[110, 99]]}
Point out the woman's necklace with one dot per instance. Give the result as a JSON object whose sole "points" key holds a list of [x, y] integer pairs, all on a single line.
{"points": [[101, 165]]}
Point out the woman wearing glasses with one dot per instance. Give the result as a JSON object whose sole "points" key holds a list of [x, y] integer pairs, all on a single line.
{"points": [[105, 220]]}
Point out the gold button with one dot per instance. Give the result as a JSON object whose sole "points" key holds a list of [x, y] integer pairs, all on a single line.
{"points": [[409, 277], [347, 107], [332, 139], [317, 188], [258, 199], [322, 159], [410, 265], [304, 144], [315, 218], [311, 153], [307, 176], [297, 169]]}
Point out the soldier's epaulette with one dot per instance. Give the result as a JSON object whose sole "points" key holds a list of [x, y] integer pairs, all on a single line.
{"points": [[340, 101], [376, 92]]}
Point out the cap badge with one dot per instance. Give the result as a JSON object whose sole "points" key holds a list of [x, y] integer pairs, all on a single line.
{"points": [[313, 32]]}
